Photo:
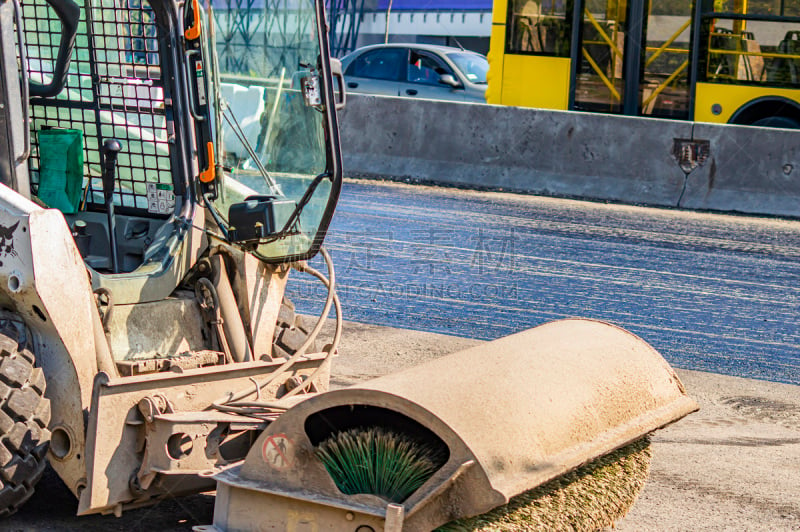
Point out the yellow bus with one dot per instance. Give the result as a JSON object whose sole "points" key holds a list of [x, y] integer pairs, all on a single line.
{"points": [[725, 61]]}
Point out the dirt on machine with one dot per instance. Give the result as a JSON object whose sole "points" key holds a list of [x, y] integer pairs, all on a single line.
{"points": [[154, 199]]}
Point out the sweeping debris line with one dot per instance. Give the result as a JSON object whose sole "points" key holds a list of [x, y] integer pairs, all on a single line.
{"points": [[591, 497]]}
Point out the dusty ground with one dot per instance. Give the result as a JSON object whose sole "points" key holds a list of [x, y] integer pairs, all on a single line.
{"points": [[735, 465]]}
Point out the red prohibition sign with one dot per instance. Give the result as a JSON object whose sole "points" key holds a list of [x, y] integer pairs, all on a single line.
{"points": [[278, 451]]}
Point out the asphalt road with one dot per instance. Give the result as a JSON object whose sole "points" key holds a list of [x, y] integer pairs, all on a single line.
{"points": [[711, 292]]}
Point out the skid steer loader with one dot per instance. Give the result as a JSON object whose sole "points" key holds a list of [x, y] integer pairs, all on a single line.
{"points": [[138, 291], [147, 230]]}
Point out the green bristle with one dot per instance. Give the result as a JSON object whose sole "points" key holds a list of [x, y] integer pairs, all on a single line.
{"points": [[378, 462]]}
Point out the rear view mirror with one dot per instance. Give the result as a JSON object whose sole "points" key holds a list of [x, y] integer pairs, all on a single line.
{"points": [[449, 79]]}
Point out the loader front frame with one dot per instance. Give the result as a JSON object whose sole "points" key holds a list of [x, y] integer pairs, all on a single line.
{"points": [[133, 352]]}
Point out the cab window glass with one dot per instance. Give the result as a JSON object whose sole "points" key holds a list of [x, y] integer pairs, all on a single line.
{"points": [[272, 137], [379, 64], [424, 68], [539, 26]]}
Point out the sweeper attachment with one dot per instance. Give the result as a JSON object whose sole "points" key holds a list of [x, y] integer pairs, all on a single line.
{"points": [[460, 436]]}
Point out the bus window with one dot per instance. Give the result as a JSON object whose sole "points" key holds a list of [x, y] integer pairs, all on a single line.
{"points": [[539, 27], [753, 52], [717, 61], [782, 8], [599, 84], [664, 91]]}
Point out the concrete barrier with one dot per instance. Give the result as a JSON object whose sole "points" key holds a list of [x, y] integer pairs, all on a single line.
{"points": [[749, 170], [600, 157]]}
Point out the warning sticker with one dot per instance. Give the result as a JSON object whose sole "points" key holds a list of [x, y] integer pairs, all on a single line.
{"points": [[160, 199], [278, 451], [201, 84]]}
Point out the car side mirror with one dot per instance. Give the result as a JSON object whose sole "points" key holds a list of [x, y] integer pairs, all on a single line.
{"points": [[449, 79]]}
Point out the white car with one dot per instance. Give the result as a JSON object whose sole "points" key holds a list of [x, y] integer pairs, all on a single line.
{"points": [[417, 71]]}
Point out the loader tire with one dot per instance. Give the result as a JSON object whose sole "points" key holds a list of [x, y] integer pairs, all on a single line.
{"points": [[290, 332], [24, 416]]}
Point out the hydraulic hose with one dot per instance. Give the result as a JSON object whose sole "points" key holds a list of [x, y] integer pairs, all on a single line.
{"points": [[231, 403], [336, 336]]}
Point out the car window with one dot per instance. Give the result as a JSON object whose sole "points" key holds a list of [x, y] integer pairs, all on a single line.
{"points": [[473, 66], [425, 68], [379, 64]]}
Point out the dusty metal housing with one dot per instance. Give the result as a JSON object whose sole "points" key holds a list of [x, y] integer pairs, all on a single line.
{"points": [[513, 413]]}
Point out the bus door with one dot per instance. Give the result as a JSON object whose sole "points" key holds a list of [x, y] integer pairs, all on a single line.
{"points": [[632, 57]]}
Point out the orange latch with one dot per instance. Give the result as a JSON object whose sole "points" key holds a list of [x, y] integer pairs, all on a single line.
{"points": [[207, 176], [194, 32]]}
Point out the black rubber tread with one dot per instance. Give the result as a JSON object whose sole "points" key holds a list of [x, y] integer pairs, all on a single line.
{"points": [[286, 313], [24, 416], [290, 332]]}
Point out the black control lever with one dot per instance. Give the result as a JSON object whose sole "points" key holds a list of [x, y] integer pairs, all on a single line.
{"points": [[110, 151]]}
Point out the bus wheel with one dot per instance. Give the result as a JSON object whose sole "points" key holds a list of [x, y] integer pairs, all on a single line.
{"points": [[777, 121]]}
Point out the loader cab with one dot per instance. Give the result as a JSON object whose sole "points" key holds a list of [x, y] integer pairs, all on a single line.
{"points": [[145, 74]]}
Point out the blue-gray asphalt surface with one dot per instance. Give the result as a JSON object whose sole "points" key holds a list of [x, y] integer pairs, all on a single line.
{"points": [[710, 292]]}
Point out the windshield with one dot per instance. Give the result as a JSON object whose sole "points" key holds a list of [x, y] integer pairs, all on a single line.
{"points": [[473, 66], [272, 134]]}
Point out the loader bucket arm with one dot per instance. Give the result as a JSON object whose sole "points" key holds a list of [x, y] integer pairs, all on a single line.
{"points": [[513, 414]]}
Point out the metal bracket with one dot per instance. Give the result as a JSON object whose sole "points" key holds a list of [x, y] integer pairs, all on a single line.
{"points": [[190, 442], [312, 93]]}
